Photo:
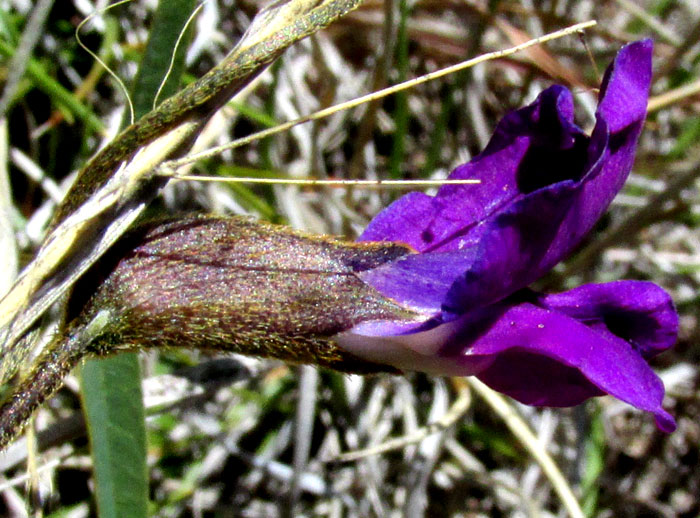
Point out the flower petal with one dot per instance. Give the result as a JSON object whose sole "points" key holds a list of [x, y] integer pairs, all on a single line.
{"points": [[531, 236], [639, 312], [625, 86], [420, 281], [544, 350], [543, 357], [451, 219], [544, 185], [515, 249]]}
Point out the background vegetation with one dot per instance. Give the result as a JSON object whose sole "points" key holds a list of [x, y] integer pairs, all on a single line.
{"points": [[240, 437]]}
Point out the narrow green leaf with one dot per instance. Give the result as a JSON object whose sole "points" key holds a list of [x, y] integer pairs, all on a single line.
{"points": [[439, 131], [112, 397], [47, 84], [254, 114], [168, 22], [594, 465], [689, 136], [113, 405]]}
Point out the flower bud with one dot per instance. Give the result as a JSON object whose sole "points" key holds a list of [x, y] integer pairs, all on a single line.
{"points": [[232, 284]]}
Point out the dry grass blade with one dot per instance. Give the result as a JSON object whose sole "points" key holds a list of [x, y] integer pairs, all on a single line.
{"points": [[673, 96], [315, 182], [168, 167], [7, 238], [455, 412], [524, 434]]}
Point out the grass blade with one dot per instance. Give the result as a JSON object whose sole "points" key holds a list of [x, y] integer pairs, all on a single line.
{"points": [[114, 413]]}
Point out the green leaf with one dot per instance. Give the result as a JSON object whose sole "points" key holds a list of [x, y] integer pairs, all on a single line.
{"points": [[113, 405], [111, 387], [64, 98], [168, 22], [594, 455], [689, 136]]}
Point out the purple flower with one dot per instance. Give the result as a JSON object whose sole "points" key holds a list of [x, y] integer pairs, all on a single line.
{"points": [[544, 184], [438, 284]]}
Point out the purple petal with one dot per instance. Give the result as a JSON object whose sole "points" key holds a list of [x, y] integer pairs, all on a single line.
{"points": [[544, 357], [526, 240], [625, 86], [420, 281], [544, 185], [514, 250], [619, 120], [549, 350], [639, 312], [451, 219]]}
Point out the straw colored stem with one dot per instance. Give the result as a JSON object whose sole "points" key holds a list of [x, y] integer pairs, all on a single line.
{"points": [[527, 438]]}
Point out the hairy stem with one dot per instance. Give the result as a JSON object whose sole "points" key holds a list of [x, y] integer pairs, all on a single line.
{"points": [[39, 384]]}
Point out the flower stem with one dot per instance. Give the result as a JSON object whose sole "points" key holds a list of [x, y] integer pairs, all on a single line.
{"points": [[39, 384]]}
